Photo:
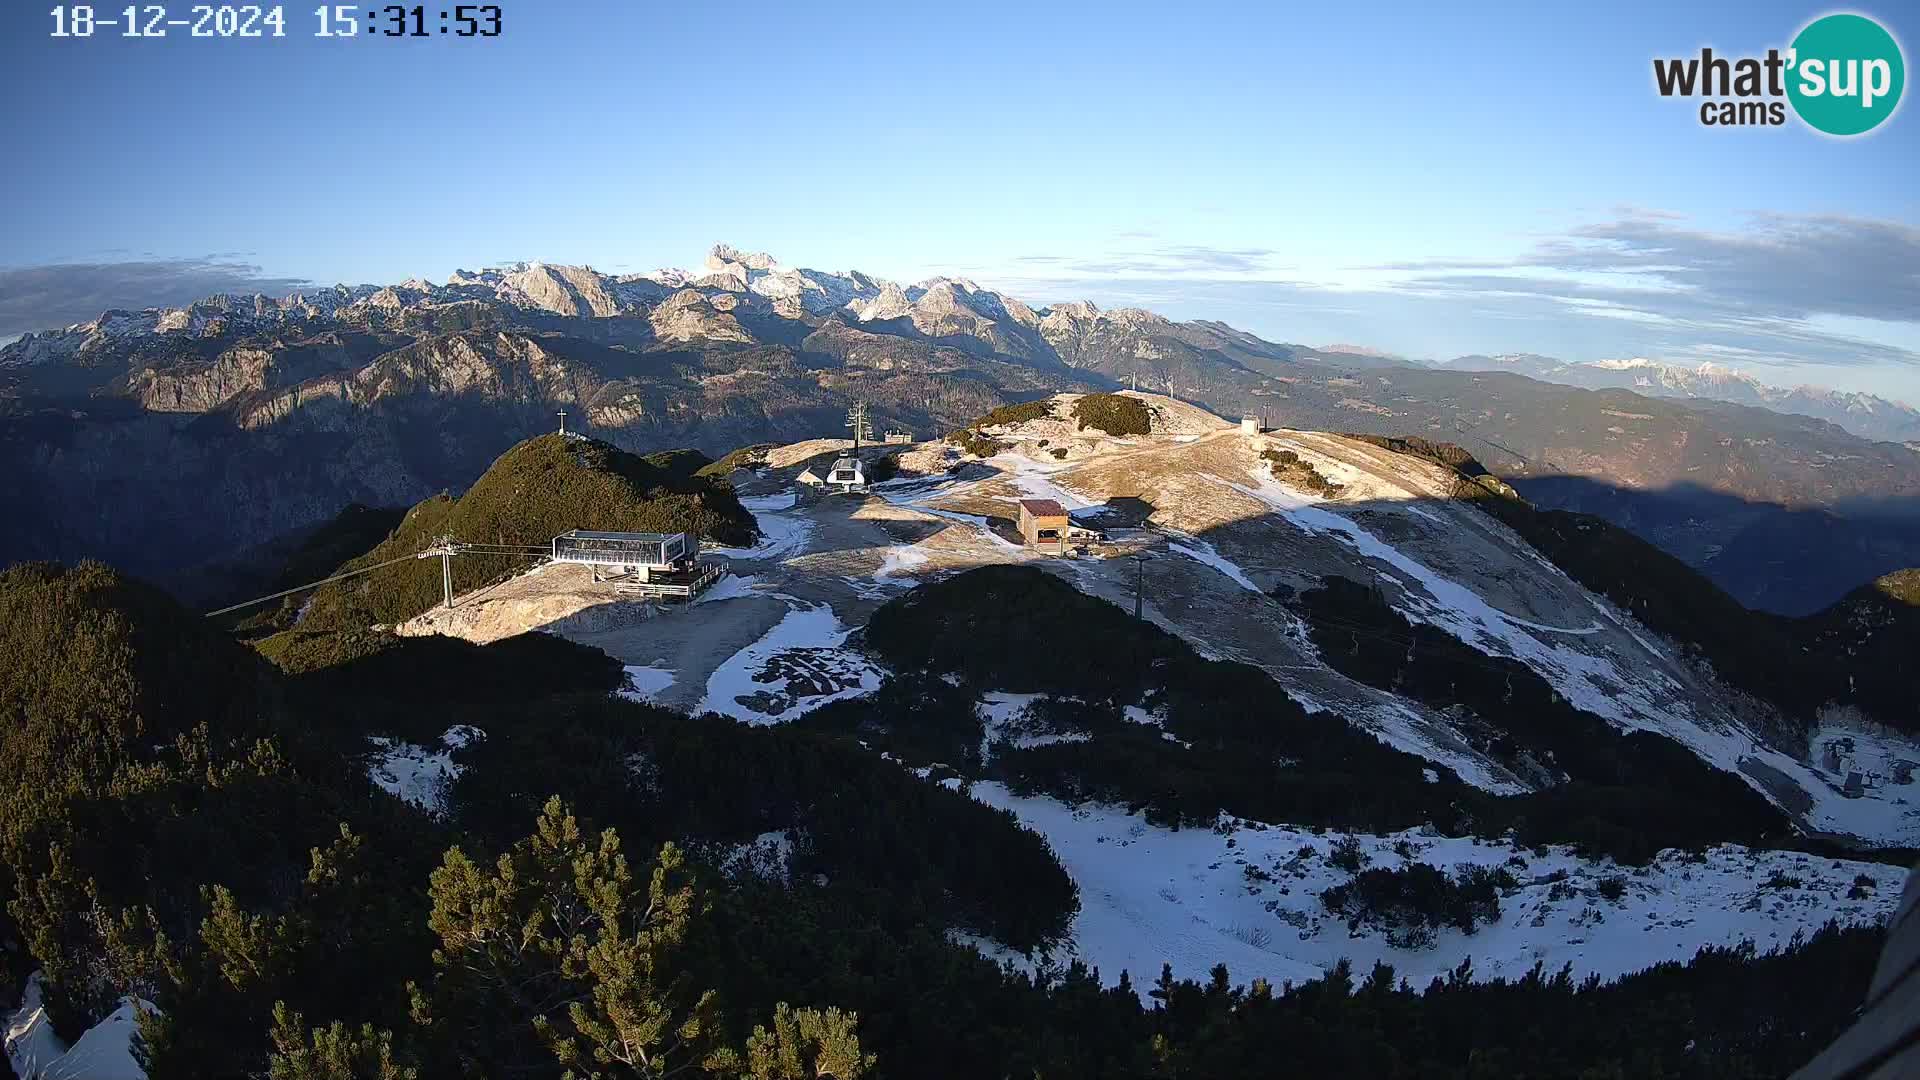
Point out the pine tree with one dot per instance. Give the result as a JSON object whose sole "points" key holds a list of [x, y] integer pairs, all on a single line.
{"points": [[807, 1045], [556, 949], [331, 1053]]}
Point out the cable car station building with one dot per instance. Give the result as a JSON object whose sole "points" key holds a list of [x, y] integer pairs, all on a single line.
{"points": [[642, 564]]}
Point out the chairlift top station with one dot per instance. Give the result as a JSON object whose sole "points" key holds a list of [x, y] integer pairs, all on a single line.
{"points": [[638, 550], [658, 565]]}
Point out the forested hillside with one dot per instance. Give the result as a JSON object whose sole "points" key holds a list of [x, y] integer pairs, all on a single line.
{"points": [[535, 491], [209, 844]]}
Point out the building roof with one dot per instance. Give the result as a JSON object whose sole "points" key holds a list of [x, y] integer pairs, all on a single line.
{"points": [[636, 537], [1043, 508], [847, 463]]}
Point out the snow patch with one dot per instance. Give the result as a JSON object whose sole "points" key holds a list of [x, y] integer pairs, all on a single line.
{"points": [[418, 774], [1156, 719], [729, 587], [1195, 548], [768, 856], [1248, 895], [794, 668], [645, 683], [900, 561], [781, 534], [103, 1052]]}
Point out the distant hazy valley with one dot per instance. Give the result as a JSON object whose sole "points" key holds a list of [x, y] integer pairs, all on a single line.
{"points": [[1865, 415]]}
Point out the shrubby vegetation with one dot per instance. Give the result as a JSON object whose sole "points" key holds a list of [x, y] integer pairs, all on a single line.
{"points": [[188, 825], [1115, 414], [345, 536], [100, 674], [746, 457], [976, 443], [1412, 901], [883, 468], [556, 952], [1249, 748], [1020, 413], [933, 855], [403, 686], [944, 728], [1453, 457], [160, 793], [535, 491], [1290, 468], [1860, 650], [1716, 1016]]}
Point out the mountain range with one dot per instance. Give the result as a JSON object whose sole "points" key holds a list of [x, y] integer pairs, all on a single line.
{"points": [[1866, 415], [173, 442]]}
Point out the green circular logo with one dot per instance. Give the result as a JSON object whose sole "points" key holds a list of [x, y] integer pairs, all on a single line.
{"points": [[1846, 74]]}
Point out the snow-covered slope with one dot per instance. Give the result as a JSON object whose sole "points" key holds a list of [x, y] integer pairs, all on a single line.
{"points": [[1247, 895], [1220, 541]]}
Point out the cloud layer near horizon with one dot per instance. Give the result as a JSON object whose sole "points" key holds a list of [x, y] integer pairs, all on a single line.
{"points": [[1794, 291], [34, 298]]}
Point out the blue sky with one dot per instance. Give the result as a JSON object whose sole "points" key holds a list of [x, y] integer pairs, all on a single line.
{"points": [[1427, 181]]}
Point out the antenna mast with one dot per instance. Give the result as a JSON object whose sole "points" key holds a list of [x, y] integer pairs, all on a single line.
{"points": [[857, 420]]}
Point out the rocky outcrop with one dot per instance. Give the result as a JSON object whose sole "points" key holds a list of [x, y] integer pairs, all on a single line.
{"points": [[890, 303], [564, 290], [725, 255], [690, 315]]}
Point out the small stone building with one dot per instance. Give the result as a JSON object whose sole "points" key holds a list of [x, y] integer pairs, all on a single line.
{"points": [[809, 478], [1045, 525]]}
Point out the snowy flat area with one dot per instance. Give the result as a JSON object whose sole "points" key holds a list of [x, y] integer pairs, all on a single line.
{"points": [[1248, 896]]}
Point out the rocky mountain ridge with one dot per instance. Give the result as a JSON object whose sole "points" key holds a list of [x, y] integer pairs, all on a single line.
{"points": [[151, 438]]}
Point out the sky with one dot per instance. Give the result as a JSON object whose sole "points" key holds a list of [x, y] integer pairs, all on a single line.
{"points": [[1430, 180]]}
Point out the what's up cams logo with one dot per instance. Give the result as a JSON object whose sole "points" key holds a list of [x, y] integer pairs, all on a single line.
{"points": [[1842, 75]]}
